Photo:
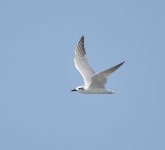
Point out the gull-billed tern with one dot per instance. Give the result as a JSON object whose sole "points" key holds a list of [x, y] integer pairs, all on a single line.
{"points": [[94, 82]]}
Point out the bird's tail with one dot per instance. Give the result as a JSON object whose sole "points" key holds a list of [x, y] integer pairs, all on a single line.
{"points": [[111, 92]]}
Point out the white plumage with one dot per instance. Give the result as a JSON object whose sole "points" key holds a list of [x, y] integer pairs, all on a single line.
{"points": [[94, 82]]}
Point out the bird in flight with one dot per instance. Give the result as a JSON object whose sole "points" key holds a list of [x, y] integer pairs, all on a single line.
{"points": [[94, 82]]}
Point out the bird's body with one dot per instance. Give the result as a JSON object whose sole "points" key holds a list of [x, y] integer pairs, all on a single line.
{"points": [[94, 82], [93, 90]]}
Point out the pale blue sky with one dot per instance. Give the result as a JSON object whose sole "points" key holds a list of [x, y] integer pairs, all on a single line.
{"points": [[37, 42]]}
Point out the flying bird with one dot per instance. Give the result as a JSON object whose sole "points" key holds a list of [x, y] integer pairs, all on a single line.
{"points": [[94, 82]]}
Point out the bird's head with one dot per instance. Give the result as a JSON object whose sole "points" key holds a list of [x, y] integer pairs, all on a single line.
{"points": [[79, 89]]}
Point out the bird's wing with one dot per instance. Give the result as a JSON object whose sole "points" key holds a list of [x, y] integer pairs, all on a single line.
{"points": [[81, 62], [99, 79]]}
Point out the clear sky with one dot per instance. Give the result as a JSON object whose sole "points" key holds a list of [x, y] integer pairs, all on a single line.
{"points": [[37, 42]]}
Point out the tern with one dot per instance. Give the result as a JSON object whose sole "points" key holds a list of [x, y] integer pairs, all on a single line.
{"points": [[94, 82]]}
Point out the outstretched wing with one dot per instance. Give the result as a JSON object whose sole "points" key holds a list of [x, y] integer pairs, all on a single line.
{"points": [[99, 79], [81, 62]]}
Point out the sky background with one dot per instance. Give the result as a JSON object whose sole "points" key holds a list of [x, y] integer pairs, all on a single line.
{"points": [[37, 42]]}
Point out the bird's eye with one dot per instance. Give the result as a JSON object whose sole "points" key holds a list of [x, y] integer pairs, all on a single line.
{"points": [[80, 88]]}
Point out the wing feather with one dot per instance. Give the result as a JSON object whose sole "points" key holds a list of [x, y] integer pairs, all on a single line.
{"points": [[81, 62], [100, 79]]}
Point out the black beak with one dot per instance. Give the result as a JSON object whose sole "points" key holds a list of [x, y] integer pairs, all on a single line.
{"points": [[73, 90]]}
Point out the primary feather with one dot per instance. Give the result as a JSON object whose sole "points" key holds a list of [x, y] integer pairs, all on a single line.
{"points": [[81, 62]]}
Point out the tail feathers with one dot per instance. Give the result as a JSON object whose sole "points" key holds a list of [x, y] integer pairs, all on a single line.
{"points": [[111, 92]]}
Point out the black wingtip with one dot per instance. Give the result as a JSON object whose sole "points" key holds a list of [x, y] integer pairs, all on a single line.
{"points": [[80, 49], [82, 37], [123, 62]]}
